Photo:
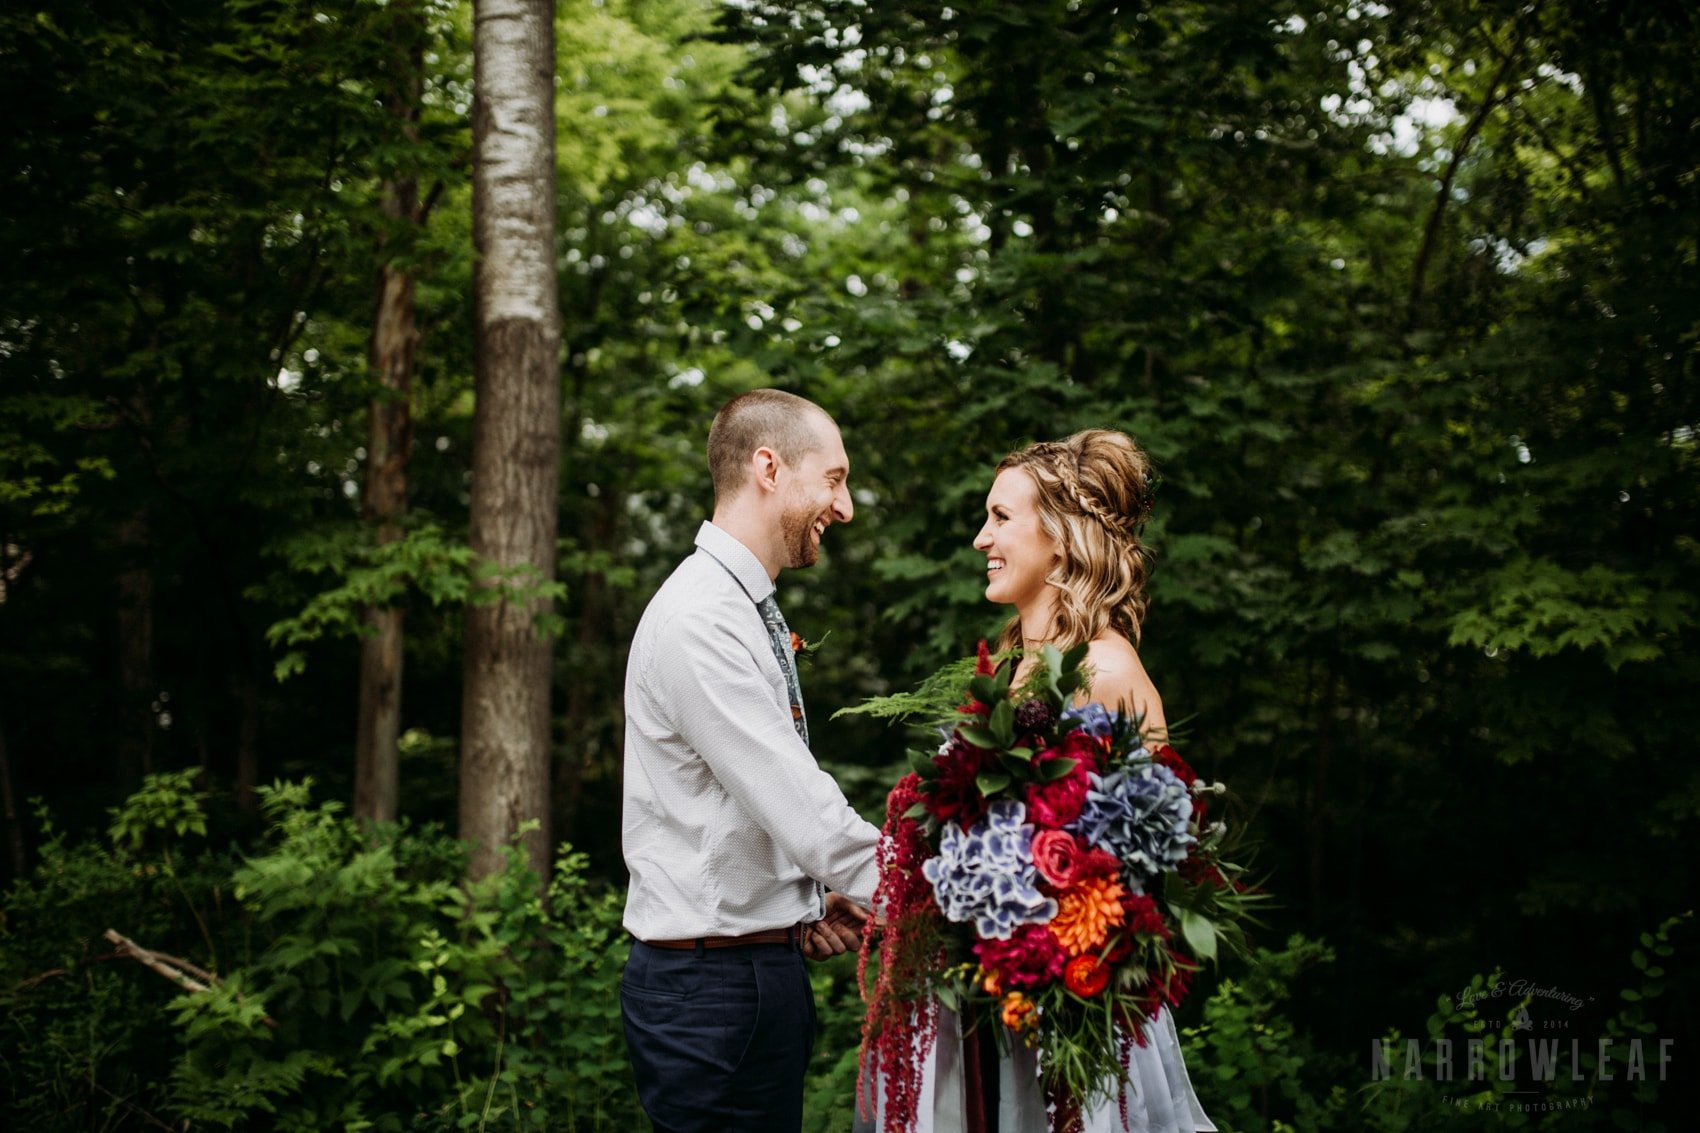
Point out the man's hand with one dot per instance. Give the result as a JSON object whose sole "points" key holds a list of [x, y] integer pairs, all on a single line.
{"points": [[838, 932]]}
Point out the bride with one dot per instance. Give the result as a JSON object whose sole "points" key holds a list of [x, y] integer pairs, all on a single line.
{"points": [[1062, 546]]}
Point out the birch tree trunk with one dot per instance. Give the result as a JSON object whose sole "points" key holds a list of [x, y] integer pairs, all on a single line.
{"points": [[393, 356], [516, 445]]}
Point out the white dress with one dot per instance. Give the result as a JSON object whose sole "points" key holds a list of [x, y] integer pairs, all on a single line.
{"points": [[1160, 1097]]}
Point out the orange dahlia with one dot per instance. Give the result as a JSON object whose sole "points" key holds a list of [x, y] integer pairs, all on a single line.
{"points": [[1018, 1011], [1085, 913]]}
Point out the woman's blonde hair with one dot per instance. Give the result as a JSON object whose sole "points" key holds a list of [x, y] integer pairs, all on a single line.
{"points": [[1095, 492]]}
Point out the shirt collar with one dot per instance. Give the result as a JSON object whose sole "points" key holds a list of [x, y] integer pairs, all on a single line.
{"points": [[738, 559]]}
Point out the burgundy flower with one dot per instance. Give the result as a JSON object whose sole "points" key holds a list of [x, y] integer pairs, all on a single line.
{"points": [[1034, 716], [1142, 916], [1030, 958], [1059, 802], [1098, 862], [954, 796], [1168, 757], [1201, 871], [1165, 756]]}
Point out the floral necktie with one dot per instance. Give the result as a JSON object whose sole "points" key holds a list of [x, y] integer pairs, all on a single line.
{"points": [[779, 636]]}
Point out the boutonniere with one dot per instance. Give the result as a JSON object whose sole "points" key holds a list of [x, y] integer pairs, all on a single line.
{"points": [[803, 650]]}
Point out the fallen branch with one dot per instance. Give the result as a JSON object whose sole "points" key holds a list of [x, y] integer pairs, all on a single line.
{"points": [[170, 967], [189, 977]]}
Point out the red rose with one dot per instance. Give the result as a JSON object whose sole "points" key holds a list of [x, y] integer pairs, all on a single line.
{"points": [[1086, 976], [1058, 854]]}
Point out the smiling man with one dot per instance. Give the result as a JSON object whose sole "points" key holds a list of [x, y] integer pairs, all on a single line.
{"points": [[731, 831]]}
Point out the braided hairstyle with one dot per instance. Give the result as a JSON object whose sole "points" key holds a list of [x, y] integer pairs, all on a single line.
{"points": [[1095, 494]]}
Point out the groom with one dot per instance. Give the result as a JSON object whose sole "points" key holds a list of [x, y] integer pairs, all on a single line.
{"points": [[730, 830]]}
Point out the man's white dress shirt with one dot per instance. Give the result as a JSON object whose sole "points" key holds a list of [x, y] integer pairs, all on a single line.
{"points": [[728, 822]]}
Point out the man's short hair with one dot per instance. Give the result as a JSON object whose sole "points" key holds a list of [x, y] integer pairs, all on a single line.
{"points": [[783, 422]]}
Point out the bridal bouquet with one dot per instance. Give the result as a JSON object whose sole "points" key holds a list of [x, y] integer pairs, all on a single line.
{"points": [[1047, 868]]}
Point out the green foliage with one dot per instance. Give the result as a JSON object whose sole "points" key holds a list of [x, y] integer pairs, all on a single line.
{"points": [[167, 803], [425, 560], [1402, 298], [936, 698], [1253, 1068], [381, 994], [84, 1032]]}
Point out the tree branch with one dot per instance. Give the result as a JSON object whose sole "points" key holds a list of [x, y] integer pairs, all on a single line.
{"points": [[185, 975], [1431, 232]]}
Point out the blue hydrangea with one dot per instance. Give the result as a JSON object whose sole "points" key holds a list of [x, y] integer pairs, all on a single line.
{"points": [[1140, 814], [986, 874], [1094, 718]]}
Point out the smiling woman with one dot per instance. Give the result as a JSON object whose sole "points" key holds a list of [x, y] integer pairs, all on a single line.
{"points": [[1020, 553], [1062, 545]]}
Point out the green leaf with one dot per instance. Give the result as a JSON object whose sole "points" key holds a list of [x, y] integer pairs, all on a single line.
{"points": [[991, 782], [1015, 764], [923, 764], [1200, 934], [1003, 723], [1053, 769], [979, 736]]}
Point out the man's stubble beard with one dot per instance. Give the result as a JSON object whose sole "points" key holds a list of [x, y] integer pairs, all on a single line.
{"points": [[794, 528]]}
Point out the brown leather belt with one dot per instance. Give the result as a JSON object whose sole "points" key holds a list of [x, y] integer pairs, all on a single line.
{"points": [[791, 937]]}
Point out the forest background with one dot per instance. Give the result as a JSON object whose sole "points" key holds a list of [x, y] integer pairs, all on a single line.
{"points": [[1403, 298]]}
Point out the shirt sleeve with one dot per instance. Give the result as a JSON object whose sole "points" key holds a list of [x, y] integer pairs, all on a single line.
{"points": [[723, 708]]}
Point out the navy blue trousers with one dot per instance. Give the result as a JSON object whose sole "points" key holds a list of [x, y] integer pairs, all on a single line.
{"points": [[719, 1040]]}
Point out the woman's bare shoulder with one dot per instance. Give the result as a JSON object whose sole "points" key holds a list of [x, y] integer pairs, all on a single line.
{"points": [[1119, 678]]}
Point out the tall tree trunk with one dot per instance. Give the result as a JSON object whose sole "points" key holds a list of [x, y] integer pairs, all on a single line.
{"points": [[394, 360], [247, 688], [516, 440], [14, 825], [135, 653]]}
